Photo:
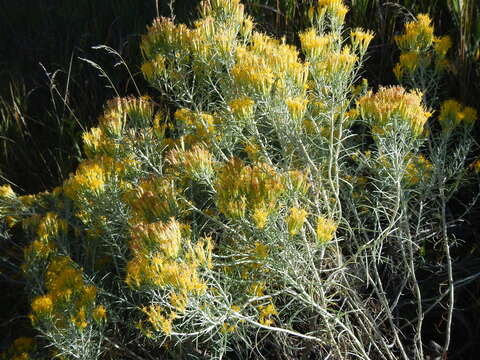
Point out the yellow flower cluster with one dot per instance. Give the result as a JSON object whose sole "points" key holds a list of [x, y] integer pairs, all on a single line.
{"points": [[417, 45], [155, 68], [93, 176], [266, 62], [241, 188], [418, 34], [159, 319], [48, 228], [164, 34], [68, 299], [39, 249], [51, 226], [297, 107], [452, 114], [360, 39], [295, 220], [391, 106], [252, 73], [167, 47], [228, 11], [335, 64], [6, 192], [154, 199], [325, 229], [336, 8], [126, 112], [242, 108], [316, 46], [196, 163], [199, 126], [418, 169], [163, 257], [157, 237], [95, 142], [90, 176], [42, 305], [441, 45], [296, 182], [156, 271], [266, 313], [475, 166]]}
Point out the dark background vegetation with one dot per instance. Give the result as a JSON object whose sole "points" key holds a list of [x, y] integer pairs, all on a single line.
{"points": [[49, 95]]}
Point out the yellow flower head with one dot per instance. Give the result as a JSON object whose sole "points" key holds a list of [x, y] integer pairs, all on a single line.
{"points": [[42, 305], [325, 230], [452, 113], [315, 46], [99, 313], [6, 192], [296, 107], [295, 220], [242, 108], [418, 34], [391, 103], [196, 163], [361, 39], [442, 45], [266, 313]]}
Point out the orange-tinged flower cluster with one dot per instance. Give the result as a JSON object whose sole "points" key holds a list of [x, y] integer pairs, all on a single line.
{"points": [[194, 164], [155, 199], [164, 258], [121, 113], [391, 106], [242, 189]]}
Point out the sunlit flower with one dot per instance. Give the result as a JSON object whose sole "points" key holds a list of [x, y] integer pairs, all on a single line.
{"points": [[295, 220], [391, 103], [325, 229]]}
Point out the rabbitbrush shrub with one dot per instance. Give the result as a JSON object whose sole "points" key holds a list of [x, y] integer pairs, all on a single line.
{"points": [[281, 210]]}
